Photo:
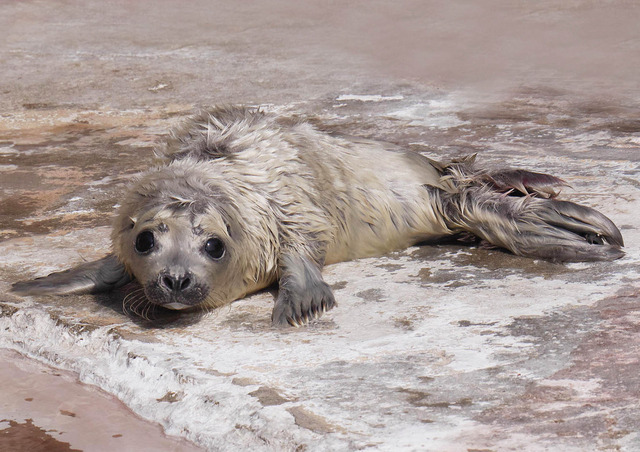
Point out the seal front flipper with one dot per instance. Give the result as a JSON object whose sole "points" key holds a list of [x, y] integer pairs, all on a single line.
{"points": [[303, 295], [99, 276]]}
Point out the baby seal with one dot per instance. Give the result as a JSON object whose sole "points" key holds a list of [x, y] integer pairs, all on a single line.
{"points": [[243, 199]]}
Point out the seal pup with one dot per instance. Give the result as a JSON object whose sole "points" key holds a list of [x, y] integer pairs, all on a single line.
{"points": [[242, 199]]}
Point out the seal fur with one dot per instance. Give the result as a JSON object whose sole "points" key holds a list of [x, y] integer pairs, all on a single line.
{"points": [[242, 199]]}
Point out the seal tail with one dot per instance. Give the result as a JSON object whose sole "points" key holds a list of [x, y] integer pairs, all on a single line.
{"points": [[516, 210]]}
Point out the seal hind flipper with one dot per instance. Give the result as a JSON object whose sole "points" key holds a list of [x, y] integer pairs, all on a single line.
{"points": [[581, 220], [303, 294], [517, 210], [102, 275], [559, 231], [526, 183]]}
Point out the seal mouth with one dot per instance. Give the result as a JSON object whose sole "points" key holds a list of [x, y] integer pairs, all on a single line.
{"points": [[175, 306]]}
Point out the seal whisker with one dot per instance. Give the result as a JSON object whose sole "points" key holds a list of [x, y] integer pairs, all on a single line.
{"points": [[143, 310], [128, 299], [137, 301], [148, 311]]}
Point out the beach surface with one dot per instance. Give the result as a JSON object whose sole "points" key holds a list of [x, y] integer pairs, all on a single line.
{"points": [[438, 348]]}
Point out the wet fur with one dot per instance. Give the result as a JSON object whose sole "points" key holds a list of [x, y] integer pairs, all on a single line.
{"points": [[286, 199]]}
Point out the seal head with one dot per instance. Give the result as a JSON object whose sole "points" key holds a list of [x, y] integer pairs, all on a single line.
{"points": [[178, 235]]}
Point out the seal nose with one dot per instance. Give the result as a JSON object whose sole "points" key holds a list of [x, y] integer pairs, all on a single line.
{"points": [[175, 283]]}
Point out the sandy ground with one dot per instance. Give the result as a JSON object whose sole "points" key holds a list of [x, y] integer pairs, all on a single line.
{"points": [[434, 348]]}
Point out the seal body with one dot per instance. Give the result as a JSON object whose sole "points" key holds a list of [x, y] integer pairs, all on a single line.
{"points": [[243, 199]]}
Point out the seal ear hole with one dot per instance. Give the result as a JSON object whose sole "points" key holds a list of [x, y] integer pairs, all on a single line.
{"points": [[145, 241], [215, 248]]}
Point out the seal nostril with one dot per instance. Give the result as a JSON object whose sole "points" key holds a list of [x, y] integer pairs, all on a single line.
{"points": [[176, 283], [168, 282]]}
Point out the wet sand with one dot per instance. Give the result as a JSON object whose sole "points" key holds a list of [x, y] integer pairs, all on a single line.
{"points": [[48, 410]]}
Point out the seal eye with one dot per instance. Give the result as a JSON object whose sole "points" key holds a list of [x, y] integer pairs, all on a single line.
{"points": [[145, 242], [214, 248]]}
